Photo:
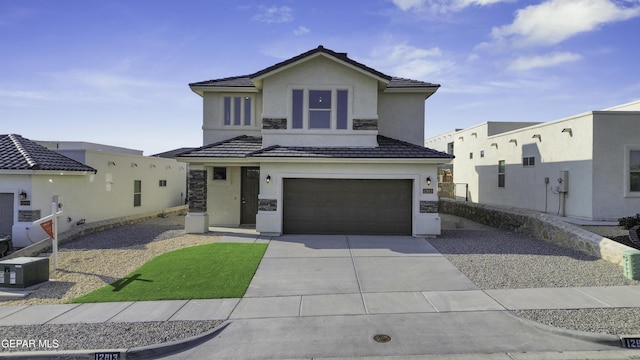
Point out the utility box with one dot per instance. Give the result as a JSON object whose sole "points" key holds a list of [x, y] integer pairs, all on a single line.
{"points": [[563, 181], [23, 272], [631, 264]]}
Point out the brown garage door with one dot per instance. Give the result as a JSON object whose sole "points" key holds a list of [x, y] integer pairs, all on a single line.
{"points": [[347, 206]]}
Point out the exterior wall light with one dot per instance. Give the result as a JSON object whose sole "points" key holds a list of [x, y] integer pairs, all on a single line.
{"points": [[428, 180], [23, 195], [514, 141], [268, 179], [567, 130], [537, 136]]}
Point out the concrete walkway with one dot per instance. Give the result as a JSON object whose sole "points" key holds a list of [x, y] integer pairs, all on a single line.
{"points": [[328, 296]]}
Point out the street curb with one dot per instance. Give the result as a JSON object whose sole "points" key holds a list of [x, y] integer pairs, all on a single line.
{"points": [[164, 349], [144, 352], [604, 339]]}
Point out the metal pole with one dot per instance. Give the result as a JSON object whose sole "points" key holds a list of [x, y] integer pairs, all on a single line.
{"points": [[54, 241]]}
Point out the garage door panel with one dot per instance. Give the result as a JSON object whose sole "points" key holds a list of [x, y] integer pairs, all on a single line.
{"points": [[347, 206]]}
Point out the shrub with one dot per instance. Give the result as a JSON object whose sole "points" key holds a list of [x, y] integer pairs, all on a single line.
{"points": [[629, 221]]}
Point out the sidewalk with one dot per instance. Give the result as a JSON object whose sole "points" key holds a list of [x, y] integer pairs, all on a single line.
{"points": [[325, 305]]}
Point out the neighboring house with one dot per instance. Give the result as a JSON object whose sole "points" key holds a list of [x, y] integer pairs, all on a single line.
{"points": [[94, 182], [585, 166], [316, 144]]}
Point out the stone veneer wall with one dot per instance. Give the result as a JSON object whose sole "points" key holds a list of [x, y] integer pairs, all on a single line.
{"points": [[197, 191], [365, 124], [540, 226], [274, 123]]}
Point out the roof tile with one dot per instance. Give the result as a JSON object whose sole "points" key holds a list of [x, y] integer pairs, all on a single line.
{"points": [[18, 153]]}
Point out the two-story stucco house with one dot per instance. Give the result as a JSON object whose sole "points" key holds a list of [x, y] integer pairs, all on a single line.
{"points": [[318, 144]]}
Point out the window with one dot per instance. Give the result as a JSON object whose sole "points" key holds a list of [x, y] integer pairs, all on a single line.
{"points": [[162, 183], [237, 110], [137, 192], [634, 170], [481, 153], [219, 173], [470, 155], [529, 161], [450, 148], [501, 173], [319, 109]]}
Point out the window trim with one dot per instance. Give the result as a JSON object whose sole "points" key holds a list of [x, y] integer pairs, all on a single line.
{"points": [[294, 111], [231, 104], [627, 171]]}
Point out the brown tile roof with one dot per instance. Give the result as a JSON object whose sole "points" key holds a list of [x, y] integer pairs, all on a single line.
{"points": [[18, 153], [247, 146]]}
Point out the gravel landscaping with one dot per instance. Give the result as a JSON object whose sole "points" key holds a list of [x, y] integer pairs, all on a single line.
{"points": [[496, 259]]}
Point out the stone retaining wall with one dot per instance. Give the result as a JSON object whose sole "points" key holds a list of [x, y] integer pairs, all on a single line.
{"points": [[540, 226], [90, 228]]}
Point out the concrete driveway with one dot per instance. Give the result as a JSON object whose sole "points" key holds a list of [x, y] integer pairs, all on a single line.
{"points": [[306, 275]]}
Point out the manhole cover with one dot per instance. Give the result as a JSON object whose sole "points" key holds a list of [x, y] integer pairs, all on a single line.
{"points": [[381, 338]]}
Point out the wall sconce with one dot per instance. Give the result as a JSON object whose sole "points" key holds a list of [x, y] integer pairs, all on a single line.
{"points": [[23, 195], [111, 163], [514, 141], [152, 166], [537, 136], [494, 144], [428, 180], [474, 134], [461, 138], [268, 179], [168, 167], [567, 130], [134, 165]]}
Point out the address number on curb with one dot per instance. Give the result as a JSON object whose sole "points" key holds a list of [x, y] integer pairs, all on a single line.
{"points": [[631, 343], [108, 356]]}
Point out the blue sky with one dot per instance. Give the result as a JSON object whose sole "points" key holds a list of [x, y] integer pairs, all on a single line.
{"points": [[116, 72]]}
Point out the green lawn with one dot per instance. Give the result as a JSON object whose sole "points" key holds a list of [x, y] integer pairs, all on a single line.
{"points": [[212, 271]]}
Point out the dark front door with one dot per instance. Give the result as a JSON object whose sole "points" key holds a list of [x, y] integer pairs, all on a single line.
{"points": [[6, 214], [249, 193]]}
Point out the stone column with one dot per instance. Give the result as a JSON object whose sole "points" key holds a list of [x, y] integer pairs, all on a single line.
{"points": [[197, 220]]}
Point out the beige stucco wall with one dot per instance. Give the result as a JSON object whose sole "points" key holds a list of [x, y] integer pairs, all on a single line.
{"points": [[104, 195], [615, 133], [592, 148], [223, 197], [402, 116], [213, 129]]}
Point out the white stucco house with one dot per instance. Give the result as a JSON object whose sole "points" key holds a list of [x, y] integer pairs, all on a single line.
{"points": [[319, 144], [93, 182], [585, 166]]}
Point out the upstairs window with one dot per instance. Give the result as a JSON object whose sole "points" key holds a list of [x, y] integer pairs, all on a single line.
{"points": [[319, 109], [528, 161], [237, 111]]}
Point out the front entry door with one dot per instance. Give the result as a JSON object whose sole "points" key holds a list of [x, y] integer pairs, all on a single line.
{"points": [[249, 194]]}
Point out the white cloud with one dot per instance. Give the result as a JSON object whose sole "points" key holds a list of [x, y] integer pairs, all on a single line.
{"points": [[301, 30], [525, 63], [554, 21], [274, 15], [442, 6], [404, 60]]}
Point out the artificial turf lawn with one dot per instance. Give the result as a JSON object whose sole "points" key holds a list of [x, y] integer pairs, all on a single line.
{"points": [[212, 271]]}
